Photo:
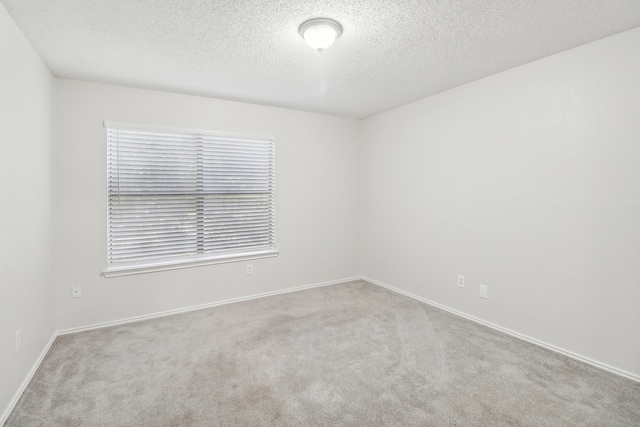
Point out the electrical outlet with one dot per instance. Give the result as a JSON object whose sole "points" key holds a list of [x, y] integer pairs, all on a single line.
{"points": [[460, 281], [483, 291], [76, 291], [249, 269], [18, 340]]}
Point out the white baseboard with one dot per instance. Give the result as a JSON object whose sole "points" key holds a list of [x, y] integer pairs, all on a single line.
{"points": [[201, 306], [27, 380], [514, 334]]}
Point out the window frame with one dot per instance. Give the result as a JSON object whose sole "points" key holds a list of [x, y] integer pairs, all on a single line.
{"points": [[187, 261]]}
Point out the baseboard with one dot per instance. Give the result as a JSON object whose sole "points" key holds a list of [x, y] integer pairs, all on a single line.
{"points": [[514, 334], [27, 380], [201, 307]]}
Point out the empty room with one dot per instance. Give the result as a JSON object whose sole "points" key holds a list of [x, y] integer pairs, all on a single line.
{"points": [[320, 213]]}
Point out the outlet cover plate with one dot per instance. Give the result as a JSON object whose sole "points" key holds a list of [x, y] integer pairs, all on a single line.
{"points": [[76, 291], [483, 291]]}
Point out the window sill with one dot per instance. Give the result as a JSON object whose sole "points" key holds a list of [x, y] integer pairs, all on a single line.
{"points": [[179, 264]]}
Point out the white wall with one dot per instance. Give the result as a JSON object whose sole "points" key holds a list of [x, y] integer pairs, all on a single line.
{"points": [[26, 285], [528, 182], [316, 218]]}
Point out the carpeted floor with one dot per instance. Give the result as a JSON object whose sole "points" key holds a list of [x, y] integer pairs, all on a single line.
{"points": [[351, 354]]}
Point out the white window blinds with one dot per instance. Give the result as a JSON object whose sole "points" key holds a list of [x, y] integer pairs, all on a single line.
{"points": [[181, 196]]}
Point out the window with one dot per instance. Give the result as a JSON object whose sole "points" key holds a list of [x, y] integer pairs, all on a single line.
{"points": [[179, 198]]}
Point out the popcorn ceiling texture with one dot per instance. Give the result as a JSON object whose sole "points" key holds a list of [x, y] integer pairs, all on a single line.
{"points": [[390, 53]]}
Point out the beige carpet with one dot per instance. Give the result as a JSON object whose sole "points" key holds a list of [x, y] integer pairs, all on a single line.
{"points": [[351, 354]]}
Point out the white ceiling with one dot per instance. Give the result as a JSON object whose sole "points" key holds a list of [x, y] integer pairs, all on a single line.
{"points": [[391, 52]]}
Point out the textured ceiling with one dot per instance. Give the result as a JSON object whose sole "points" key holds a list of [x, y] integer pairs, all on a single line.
{"points": [[390, 53]]}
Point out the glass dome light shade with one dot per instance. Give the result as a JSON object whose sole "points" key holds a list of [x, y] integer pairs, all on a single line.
{"points": [[320, 33]]}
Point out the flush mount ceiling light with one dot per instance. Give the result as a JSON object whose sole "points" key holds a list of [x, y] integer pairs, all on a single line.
{"points": [[320, 33]]}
